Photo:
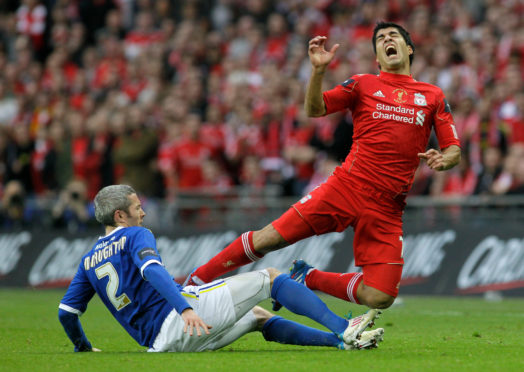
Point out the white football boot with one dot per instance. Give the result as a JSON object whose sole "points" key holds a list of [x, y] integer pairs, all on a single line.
{"points": [[368, 340], [357, 325]]}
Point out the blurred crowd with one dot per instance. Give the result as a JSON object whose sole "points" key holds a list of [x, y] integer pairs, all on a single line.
{"points": [[193, 96]]}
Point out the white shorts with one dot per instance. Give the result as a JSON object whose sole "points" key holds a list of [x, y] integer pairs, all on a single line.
{"points": [[224, 304]]}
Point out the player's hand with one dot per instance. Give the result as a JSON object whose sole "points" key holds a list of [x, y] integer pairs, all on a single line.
{"points": [[435, 159], [192, 320], [95, 349], [318, 55]]}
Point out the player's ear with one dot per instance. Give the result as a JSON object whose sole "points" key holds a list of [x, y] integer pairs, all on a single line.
{"points": [[119, 216], [410, 50]]}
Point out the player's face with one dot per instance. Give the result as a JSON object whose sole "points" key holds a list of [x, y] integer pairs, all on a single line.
{"points": [[392, 51], [135, 215]]}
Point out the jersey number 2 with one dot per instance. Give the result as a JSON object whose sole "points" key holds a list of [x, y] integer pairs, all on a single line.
{"points": [[108, 269]]}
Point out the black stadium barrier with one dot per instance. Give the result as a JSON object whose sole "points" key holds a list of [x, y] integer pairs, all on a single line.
{"points": [[448, 250]]}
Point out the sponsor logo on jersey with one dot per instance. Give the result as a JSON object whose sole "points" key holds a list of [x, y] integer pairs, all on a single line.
{"points": [[420, 118], [401, 95], [379, 93], [420, 99], [392, 113]]}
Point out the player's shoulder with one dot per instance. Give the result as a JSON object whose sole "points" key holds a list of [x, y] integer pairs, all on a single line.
{"points": [[352, 82]]}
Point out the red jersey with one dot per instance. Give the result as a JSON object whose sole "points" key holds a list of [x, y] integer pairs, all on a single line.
{"points": [[393, 116]]}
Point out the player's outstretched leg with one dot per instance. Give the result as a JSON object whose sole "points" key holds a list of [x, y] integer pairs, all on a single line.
{"points": [[240, 252], [298, 271], [343, 286], [302, 301], [285, 331]]}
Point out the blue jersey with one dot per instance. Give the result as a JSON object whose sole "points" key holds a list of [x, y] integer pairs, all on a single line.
{"points": [[114, 269]]}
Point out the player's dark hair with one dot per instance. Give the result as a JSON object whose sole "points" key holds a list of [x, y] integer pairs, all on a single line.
{"points": [[401, 30], [110, 199]]}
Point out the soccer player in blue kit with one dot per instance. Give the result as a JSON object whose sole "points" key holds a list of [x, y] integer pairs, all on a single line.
{"points": [[125, 269]]}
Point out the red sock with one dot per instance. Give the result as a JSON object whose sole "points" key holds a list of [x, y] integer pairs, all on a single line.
{"points": [[343, 286], [239, 253]]}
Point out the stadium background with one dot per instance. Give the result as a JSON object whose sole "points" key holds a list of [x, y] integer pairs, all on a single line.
{"points": [[198, 105]]}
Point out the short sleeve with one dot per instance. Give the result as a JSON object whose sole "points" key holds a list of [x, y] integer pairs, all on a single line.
{"points": [[444, 124], [143, 249], [341, 97]]}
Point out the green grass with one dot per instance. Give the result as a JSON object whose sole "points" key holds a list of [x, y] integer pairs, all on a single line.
{"points": [[423, 334]]}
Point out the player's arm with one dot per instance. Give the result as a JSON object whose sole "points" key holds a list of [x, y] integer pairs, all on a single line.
{"points": [[72, 306], [160, 279], [447, 138], [320, 59], [441, 161], [147, 259]]}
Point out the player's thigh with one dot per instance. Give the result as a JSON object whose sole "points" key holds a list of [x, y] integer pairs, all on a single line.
{"points": [[248, 289], [383, 277], [378, 238], [327, 208], [214, 305], [246, 324]]}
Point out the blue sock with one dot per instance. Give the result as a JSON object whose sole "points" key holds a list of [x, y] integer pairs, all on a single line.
{"points": [[302, 301], [286, 331]]}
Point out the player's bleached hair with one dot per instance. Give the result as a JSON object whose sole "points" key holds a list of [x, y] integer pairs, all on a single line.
{"points": [[110, 199], [401, 30]]}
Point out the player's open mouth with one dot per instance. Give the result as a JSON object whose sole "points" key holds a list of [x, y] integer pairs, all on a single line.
{"points": [[391, 50]]}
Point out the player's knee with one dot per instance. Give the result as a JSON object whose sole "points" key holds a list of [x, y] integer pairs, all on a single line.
{"points": [[380, 301], [261, 316], [273, 273], [374, 298]]}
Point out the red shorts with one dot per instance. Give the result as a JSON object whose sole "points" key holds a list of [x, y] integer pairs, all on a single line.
{"points": [[339, 203], [384, 277]]}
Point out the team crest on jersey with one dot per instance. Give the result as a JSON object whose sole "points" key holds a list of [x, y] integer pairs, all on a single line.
{"points": [[420, 99], [401, 95]]}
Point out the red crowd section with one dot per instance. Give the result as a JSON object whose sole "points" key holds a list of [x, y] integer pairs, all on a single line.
{"points": [[206, 95]]}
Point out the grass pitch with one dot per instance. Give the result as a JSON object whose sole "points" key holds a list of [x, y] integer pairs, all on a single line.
{"points": [[422, 334]]}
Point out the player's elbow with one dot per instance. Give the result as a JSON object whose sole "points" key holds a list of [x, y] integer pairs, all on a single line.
{"points": [[314, 108], [313, 111]]}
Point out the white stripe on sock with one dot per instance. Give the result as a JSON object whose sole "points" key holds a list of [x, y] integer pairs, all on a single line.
{"points": [[351, 286], [247, 249]]}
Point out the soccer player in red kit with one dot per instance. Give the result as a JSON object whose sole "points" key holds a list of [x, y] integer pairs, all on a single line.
{"points": [[393, 115]]}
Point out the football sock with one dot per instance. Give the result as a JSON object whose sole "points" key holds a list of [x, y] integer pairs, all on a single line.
{"points": [[343, 286], [302, 301], [286, 331], [239, 253]]}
